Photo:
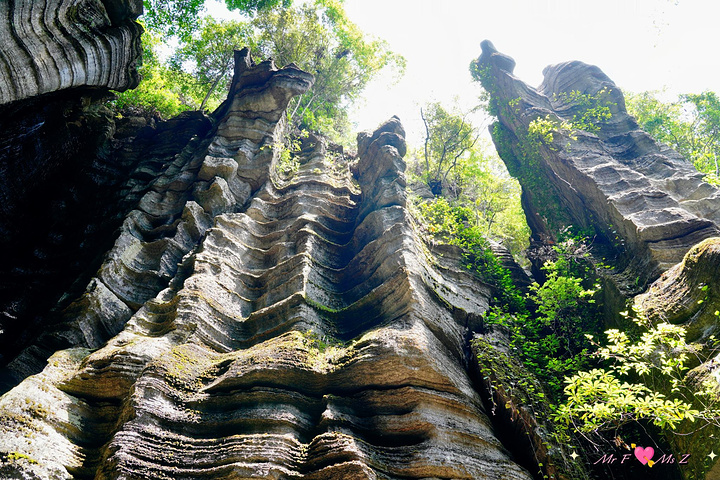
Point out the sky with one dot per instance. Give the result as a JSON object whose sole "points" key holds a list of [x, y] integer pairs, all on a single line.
{"points": [[640, 44]]}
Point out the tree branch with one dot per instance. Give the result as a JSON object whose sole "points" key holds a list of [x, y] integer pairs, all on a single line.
{"points": [[427, 139]]}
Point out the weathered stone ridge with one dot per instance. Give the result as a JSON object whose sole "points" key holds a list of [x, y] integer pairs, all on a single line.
{"points": [[252, 324], [643, 201], [53, 45], [176, 194]]}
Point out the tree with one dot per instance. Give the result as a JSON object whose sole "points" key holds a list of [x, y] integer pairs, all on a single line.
{"points": [[448, 136], [482, 183], [250, 6], [690, 125], [209, 53], [319, 38], [182, 17], [161, 91]]}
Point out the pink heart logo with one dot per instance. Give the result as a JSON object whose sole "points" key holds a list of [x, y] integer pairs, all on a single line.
{"points": [[644, 454]]}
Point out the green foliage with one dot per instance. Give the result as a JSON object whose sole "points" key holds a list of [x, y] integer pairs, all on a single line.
{"points": [[208, 56], [488, 98], [182, 18], [448, 136], [558, 298], [320, 39], [551, 340], [523, 149], [522, 157], [456, 166], [541, 130], [482, 183], [250, 6], [317, 37], [288, 149], [172, 17], [161, 91], [690, 125], [592, 109], [15, 456], [450, 223], [645, 380], [481, 260]]}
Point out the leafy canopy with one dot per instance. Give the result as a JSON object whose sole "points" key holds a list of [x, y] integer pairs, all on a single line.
{"points": [[316, 36], [551, 340], [448, 136], [690, 125], [468, 180], [183, 17]]}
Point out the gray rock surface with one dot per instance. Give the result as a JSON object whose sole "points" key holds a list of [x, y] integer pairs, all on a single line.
{"points": [[53, 45], [253, 324], [643, 203]]}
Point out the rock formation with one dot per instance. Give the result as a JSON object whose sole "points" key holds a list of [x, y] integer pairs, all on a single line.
{"points": [[252, 324], [59, 177], [54, 45], [188, 299], [640, 200], [647, 210]]}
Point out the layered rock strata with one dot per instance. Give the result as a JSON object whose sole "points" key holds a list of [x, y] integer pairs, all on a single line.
{"points": [[266, 324], [640, 200], [53, 45], [58, 237]]}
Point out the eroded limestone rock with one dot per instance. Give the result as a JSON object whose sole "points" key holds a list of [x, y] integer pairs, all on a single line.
{"points": [[641, 201], [267, 325], [53, 45]]}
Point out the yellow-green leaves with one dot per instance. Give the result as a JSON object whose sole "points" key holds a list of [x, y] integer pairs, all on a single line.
{"points": [[644, 380], [542, 129], [592, 109]]}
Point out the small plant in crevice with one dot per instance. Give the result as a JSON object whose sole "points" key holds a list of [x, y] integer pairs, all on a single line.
{"points": [[288, 148]]}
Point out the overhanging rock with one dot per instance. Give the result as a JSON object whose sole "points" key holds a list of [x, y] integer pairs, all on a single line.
{"points": [[53, 45]]}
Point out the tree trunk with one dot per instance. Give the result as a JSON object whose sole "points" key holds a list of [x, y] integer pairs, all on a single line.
{"points": [[212, 89]]}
